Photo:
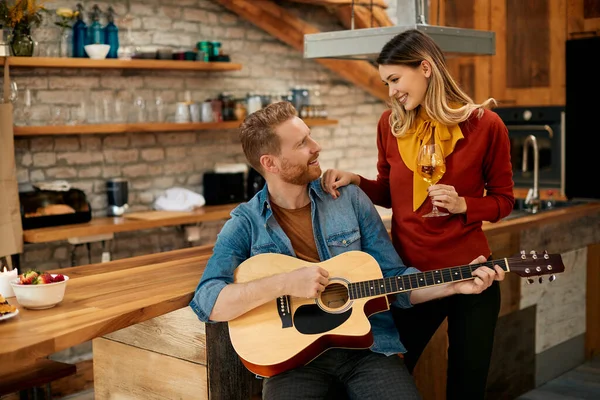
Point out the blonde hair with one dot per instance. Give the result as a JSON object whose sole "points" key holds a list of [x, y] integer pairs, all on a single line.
{"points": [[411, 48], [257, 132]]}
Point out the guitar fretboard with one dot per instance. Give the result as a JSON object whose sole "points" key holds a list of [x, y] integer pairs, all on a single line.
{"points": [[403, 283]]}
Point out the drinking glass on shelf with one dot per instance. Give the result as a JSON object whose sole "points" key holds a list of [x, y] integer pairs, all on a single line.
{"points": [[58, 115], [140, 109], [160, 109], [79, 115], [431, 167], [14, 92]]}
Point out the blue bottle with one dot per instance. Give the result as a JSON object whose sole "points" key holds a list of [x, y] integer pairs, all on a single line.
{"points": [[95, 34], [79, 34], [111, 34]]}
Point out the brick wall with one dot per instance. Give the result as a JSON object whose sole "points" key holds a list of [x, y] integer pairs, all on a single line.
{"points": [[154, 162]]}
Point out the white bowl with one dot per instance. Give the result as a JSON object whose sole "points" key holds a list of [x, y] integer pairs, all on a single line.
{"points": [[97, 51], [39, 297]]}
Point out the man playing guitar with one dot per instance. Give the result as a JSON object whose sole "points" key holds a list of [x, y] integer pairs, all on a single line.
{"points": [[293, 216]]}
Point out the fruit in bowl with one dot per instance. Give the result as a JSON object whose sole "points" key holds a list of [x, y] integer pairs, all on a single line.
{"points": [[39, 290]]}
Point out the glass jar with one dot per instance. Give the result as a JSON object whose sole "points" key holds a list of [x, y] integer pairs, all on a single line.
{"points": [[240, 111]]}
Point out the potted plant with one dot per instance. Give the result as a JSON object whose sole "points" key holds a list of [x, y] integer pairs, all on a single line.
{"points": [[21, 16]]}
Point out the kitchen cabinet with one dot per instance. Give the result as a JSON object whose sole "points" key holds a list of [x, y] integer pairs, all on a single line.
{"points": [[583, 18], [471, 72], [529, 66]]}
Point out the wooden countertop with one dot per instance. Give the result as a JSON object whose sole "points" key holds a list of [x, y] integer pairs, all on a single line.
{"points": [[107, 225], [100, 299], [104, 225], [103, 298]]}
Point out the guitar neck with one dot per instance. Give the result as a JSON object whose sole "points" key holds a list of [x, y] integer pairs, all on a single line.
{"points": [[419, 280]]}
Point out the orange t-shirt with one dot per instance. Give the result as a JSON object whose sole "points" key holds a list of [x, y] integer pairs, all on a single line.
{"points": [[297, 225]]}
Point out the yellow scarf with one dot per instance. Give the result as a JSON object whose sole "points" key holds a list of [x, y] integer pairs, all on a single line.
{"points": [[420, 132]]}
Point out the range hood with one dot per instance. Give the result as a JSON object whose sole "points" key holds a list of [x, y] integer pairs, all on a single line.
{"points": [[365, 44]]}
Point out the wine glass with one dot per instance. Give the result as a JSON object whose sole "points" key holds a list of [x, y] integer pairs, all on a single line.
{"points": [[431, 167]]}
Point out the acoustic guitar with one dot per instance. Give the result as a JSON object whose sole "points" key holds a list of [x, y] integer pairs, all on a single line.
{"points": [[289, 332]]}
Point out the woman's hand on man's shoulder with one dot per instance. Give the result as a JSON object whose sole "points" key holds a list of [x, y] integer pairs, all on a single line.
{"points": [[333, 179]]}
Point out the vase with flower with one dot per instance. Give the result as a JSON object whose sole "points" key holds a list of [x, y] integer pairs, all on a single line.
{"points": [[21, 16], [65, 19]]}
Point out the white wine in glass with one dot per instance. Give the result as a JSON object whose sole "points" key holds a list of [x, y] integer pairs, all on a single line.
{"points": [[431, 167]]}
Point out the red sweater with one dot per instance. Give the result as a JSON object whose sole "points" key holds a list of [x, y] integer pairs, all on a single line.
{"points": [[480, 161]]}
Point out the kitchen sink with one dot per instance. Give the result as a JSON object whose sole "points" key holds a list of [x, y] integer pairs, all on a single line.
{"points": [[521, 210]]}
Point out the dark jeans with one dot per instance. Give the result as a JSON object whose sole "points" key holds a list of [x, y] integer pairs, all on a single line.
{"points": [[471, 324], [364, 375]]}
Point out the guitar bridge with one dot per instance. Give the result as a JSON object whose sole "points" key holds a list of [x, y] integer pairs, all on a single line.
{"points": [[284, 309]]}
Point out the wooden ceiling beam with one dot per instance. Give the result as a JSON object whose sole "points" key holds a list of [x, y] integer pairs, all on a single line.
{"points": [[364, 17], [330, 3], [290, 29]]}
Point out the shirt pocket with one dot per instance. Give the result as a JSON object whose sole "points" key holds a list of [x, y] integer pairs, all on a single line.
{"points": [[344, 241], [264, 248]]}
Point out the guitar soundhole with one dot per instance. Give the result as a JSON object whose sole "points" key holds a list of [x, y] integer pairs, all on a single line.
{"points": [[335, 296]]}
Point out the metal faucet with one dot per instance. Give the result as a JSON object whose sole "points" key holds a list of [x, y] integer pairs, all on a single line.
{"points": [[532, 201]]}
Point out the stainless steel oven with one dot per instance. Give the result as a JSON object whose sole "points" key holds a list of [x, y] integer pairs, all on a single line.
{"points": [[547, 124]]}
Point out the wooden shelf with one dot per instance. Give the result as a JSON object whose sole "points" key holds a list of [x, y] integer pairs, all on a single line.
{"points": [[56, 62], [107, 225], [92, 129]]}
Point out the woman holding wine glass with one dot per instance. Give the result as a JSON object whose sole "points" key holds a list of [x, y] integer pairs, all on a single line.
{"points": [[466, 175]]}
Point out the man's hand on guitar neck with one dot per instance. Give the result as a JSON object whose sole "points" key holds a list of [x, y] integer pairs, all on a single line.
{"points": [[483, 278], [238, 298]]}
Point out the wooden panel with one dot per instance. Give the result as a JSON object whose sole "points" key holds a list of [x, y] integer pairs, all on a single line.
{"points": [[505, 12], [127, 372], [177, 334], [81, 381], [528, 44], [99, 226], [459, 13], [591, 9], [583, 18], [507, 245], [430, 371], [93, 129], [227, 376], [466, 78], [512, 369], [50, 62], [592, 307], [471, 73], [42, 372]]}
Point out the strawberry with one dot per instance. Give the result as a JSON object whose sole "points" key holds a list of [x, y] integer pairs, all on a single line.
{"points": [[58, 278], [43, 279], [28, 277]]}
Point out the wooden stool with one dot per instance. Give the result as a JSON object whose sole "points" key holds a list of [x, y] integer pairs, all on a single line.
{"points": [[41, 373]]}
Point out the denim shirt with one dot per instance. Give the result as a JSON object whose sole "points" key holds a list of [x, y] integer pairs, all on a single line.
{"points": [[349, 222]]}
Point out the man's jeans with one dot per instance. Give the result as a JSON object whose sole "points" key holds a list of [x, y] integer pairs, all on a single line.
{"points": [[364, 375]]}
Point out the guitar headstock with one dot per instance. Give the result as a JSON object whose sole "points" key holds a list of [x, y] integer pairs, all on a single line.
{"points": [[536, 264]]}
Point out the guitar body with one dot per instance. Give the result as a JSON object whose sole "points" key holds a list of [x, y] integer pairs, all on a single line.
{"points": [[290, 332]]}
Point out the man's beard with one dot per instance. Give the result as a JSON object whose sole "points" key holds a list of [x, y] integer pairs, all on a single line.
{"points": [[298, 174]]}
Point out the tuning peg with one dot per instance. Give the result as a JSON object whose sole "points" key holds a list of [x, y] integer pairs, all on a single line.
{"points": [[541, 279], [533, 254], [552, 278], [523, 254], [546, 255], [529, 281]]}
